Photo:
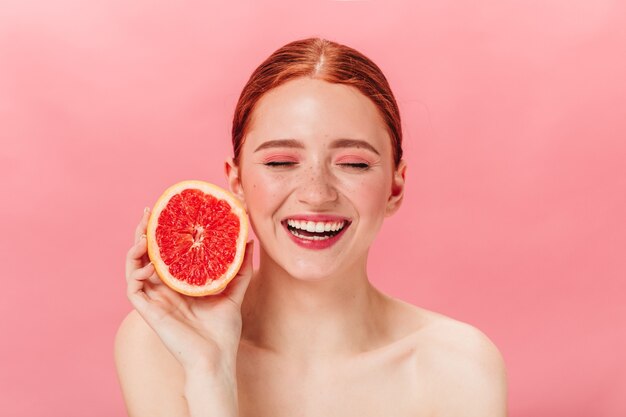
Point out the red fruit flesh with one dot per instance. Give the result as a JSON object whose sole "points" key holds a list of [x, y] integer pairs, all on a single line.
{"points": [[197, 236]]}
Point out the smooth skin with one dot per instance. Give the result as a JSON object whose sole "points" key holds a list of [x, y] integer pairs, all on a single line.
{"points": [[306, 334]]}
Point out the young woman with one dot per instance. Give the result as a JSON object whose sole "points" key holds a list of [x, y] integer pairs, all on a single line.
{"points": [[317, 145]]}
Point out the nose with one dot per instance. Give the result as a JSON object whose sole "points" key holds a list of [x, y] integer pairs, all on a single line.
{"points": [[317, 188]]}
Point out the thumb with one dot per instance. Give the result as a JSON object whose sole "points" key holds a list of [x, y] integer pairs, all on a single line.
{"points": [[238, 286]]}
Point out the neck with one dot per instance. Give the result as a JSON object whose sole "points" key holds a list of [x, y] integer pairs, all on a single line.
{"points": [[338, 316]]}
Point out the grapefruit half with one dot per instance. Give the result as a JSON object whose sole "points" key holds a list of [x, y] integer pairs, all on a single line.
{"points": [[196, 237]]}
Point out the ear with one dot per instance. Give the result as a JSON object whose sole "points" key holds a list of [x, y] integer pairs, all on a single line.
{"points": [[234, 180], [397, 189]]}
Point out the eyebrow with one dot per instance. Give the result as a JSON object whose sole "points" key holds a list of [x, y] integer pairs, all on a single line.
{"points": [[336, 144]]}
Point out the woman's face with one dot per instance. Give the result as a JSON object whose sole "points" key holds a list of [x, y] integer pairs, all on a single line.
{"points": [[316, 175]]}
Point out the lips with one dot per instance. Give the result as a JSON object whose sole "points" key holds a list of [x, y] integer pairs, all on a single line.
{"points": [[315, 231]]}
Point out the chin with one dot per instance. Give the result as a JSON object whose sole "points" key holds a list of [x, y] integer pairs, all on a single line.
{"points": [[308, 274], [307, 271]]}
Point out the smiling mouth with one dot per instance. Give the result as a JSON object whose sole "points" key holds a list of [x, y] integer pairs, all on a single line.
{"points": [[315, 230]]}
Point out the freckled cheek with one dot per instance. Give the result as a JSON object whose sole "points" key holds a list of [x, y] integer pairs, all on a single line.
{"points": [[262, 192], [369, 196]]}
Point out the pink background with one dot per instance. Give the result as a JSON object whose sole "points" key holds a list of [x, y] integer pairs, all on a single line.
{"points": [[515, 137]]}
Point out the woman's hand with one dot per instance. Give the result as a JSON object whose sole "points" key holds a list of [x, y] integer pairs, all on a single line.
{"points": [[201, 332]]}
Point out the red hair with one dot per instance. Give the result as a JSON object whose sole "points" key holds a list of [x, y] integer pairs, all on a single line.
{"points": [[324, 60]]}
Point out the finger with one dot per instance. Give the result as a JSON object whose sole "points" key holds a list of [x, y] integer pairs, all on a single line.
{"points": [[148, 274], [135, 257], [141, 227], [143, 303], [139, 300], [143, 274], [238, 286], [138, 289], [135, 293]]}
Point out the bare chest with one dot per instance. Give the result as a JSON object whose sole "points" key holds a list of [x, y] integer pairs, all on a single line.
{"points": [[381, 384]]}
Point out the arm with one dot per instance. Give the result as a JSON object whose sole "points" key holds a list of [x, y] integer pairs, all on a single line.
{"points": [[151, 379], [212, 391], [176, 355], [154, 384]]}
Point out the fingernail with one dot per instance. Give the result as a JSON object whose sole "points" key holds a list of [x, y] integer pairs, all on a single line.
{"points": [[143, 236], [146, 210]]}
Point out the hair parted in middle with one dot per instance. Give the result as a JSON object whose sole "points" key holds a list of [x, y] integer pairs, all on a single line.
{"points": [[325, 60]]}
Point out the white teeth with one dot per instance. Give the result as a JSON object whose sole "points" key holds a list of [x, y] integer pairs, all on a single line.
{"points": [[316, 227]]}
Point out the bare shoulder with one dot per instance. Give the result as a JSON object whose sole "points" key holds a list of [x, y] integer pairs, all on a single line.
{"points": [[453, 338], [466, 368], [151, 379]]}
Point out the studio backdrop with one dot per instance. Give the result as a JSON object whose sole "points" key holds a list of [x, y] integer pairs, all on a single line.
{"points": [[513, 115]]}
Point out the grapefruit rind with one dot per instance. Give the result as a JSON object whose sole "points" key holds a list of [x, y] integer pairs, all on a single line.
{"points": [[213, 287]]}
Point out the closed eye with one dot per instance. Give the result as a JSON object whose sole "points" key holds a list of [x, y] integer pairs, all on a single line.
{"points": [[358, 165], [279, 163]]}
